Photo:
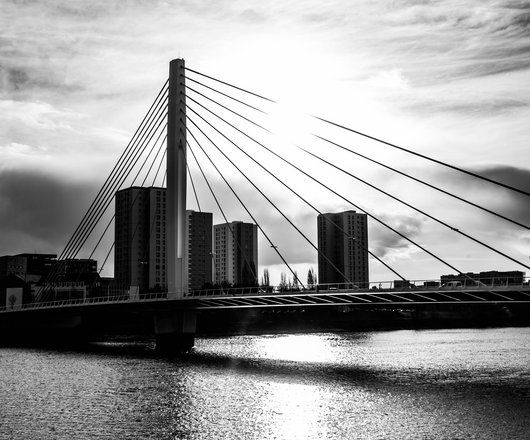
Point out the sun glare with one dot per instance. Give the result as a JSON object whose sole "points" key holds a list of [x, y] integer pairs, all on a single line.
{"points": [[302, 348], [297, 410], [290, 123]]}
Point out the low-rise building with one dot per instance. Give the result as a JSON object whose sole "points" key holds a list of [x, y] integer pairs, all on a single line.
{"points": [[29, 267], [489, 278]]}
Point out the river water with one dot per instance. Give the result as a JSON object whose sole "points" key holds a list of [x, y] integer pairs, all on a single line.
{"points": [[431, 384]]}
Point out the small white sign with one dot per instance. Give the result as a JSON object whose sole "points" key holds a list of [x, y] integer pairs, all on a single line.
{"points": [[14, 298], [134, 293]]}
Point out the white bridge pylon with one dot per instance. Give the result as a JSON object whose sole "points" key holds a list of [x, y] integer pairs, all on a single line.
{"points": [[176, 182]]}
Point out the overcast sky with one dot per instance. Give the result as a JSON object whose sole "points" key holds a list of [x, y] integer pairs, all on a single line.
{"points": [[449, 79]]}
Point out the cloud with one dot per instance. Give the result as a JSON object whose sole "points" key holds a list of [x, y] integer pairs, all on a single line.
{"points": [[513, 176], [505, 201], [25, 80], [253, 16], [37, 115], [455, 42], [383, 241], [494, 65], [392, 79], [464, 105], [39, 210]]}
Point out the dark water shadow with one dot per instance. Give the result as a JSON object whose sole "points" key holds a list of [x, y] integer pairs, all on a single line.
{"points": [[304, 372], [358, 375]]}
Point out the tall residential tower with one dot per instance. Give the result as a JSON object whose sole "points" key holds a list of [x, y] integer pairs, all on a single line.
{"points": [[140, 233], [198, 249], [343, 239], [140, 257], [236, 253]]}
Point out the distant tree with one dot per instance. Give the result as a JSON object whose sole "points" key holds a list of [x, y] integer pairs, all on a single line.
{"points": [[311, 277], [265, 280], [283, 282], [225, 284], [295, 281], [310, 280]]}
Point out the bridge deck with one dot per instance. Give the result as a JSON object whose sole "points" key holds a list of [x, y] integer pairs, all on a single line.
{"points": [[332, 297]]}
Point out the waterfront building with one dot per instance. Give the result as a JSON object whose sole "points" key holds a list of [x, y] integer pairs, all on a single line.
{"points": [[69, 277], [7, 284], [140, 241], [198, 249], [29, 267], [343, 239], [71, 269], [140, 238], [490, 278], [236, 253]]}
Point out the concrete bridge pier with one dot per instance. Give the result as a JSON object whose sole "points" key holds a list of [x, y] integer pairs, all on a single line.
{"points": [[175, 331]]}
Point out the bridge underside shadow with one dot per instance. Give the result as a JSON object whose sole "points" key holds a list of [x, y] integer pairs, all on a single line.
{"points": [[359, 318], [174, 329]]}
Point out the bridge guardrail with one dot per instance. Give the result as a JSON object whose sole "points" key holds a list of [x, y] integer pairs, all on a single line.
{"points": [[334, 288], [85, 301], [380, 286]]}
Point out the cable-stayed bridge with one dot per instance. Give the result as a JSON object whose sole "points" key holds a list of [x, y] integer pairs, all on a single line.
{"points": [[195, 113]]}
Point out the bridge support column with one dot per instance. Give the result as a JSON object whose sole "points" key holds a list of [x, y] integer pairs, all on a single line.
{"points": [[177, 279], [175, 331]]}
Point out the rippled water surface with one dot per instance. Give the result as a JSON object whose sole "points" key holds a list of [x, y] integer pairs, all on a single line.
{"points": [[440, 384]]}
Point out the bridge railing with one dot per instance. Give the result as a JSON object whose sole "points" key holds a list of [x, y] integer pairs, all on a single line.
{"points": [[378, 286], [86, 301], [330, 288]]}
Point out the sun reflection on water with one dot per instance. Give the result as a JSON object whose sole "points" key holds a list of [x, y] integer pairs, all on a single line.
{"points": [[303, 348], [295, 411]]}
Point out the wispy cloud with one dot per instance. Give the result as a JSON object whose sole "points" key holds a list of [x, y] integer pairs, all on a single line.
{"points": [[23, 81], [37, 115], [385, 242], [507, 202]]}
